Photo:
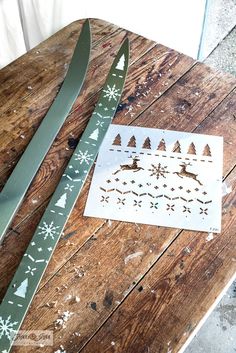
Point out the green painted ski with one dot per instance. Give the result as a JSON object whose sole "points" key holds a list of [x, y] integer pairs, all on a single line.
{"points": [[31, 269], [19, 181]]}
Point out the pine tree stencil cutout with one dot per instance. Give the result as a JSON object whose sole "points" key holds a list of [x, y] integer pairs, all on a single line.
{"points": [[191, 149], [62, 201], [207, 151], [177, 147], [147, 143], [132, 142], [117, 140], [94, 135], [121, 63], [162, 145], [22, 289]]}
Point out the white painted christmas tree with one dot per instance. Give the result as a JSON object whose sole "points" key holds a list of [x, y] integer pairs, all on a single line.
{"points": [[121, 63], [62, 201], [22, 289], [94, 135]]}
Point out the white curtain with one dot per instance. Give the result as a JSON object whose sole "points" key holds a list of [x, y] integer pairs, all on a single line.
{"points": [[25, 23], [12, 42]]}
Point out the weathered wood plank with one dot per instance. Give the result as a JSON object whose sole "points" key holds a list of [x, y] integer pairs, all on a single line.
{"points": [[166, 306], [222, 121], [107, 274], [191, 99]]}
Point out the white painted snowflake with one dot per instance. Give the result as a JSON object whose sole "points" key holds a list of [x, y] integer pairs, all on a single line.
{"points": [[31, 270], [69, 187], [111, 92], [48, 230], [100, 123], [7, 327], [83, 157]]}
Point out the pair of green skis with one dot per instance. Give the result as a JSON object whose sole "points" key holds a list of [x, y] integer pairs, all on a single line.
{"points": [[35, 260]]}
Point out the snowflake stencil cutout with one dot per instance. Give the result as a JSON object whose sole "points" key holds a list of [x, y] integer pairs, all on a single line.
{"points": [[111, 93], [105, 199], [121, 201], [170, 207], [7, 327], [186, 209], [83, 157], [137, 203], [154, 205], [158, 171], [203, 211], [48, 230]]}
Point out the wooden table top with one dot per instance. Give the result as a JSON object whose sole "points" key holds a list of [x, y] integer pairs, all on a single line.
{"points": [[152, 303]]}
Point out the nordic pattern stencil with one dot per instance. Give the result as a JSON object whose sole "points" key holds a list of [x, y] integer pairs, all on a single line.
{"points": [[158, 177]]}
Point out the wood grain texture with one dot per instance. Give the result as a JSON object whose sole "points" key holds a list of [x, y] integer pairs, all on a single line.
{"points": [[152, 302]]}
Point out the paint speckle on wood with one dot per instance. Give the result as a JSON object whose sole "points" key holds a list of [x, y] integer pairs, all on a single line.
{"points": [[133, 256], [93, 306], [62, 320], [108, 299], [72, 142], [210, 237]]}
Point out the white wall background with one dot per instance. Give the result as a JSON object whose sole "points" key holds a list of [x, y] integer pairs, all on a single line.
{"points": [[174, 23]]}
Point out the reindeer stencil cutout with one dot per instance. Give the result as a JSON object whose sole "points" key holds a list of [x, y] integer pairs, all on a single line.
{"points": [[134, 166], [184, 173]]}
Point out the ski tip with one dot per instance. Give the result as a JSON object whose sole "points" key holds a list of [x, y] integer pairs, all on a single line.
{"points": [[126, 46], [126, 42], [87, 23], [86, 29], [86, 38]]}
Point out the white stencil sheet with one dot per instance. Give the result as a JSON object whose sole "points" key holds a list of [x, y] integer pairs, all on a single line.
{"points": [[158, 177]]}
